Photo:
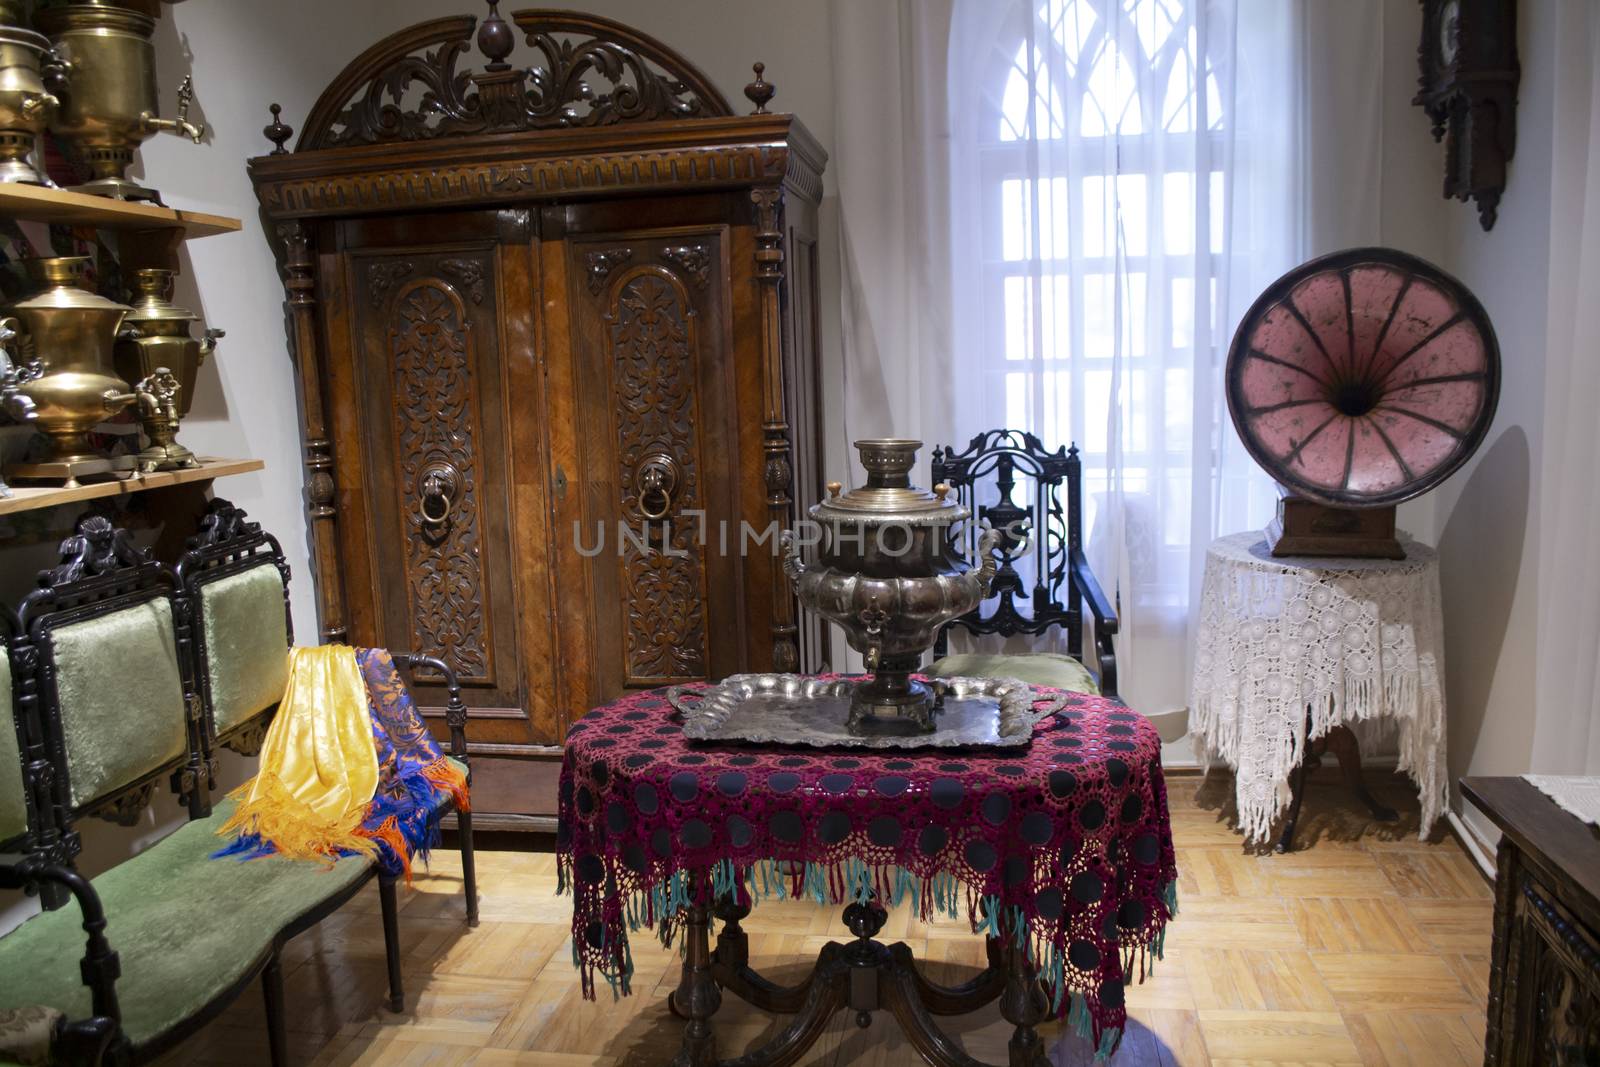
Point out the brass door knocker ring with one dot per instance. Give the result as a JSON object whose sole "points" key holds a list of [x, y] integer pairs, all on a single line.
{"points": [[438, 487], [657, 480]]}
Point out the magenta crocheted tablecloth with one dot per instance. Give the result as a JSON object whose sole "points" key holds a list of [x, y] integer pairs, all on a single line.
{"points": [[1065, 845]]}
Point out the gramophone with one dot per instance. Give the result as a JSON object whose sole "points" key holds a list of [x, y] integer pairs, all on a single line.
{"points": [[1359, 380]]}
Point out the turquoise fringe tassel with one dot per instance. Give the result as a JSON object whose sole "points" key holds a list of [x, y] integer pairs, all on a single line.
{"points": [[856, 881]]}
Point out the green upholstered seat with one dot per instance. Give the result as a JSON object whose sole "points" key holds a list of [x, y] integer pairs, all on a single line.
{"points": [[13, 798], [120, 691], [185, 927], [247, 642], [1036, 668]]}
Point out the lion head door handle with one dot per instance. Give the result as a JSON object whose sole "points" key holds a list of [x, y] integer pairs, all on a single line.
{"points": [[438, 488], [657, 479]]}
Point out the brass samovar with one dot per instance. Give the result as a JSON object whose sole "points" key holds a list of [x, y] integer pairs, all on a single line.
{"points": [[153, 345], [110, 106], [71, 386], [889, 576], [28, 72]]}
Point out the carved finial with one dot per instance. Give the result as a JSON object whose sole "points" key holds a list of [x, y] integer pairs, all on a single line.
{"points": [[278, 132], [760, 90], [495, 40]]}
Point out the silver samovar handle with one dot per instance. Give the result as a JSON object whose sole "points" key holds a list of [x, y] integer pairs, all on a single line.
{"points": [[983, 574], [793, 565], [676, 694], [872, 619]]}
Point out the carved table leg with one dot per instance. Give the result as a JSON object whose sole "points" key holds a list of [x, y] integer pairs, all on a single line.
{"points": [[863, 976], [1310, 760], [902, 998], [697, 996], [1343, 743], [865, 957], [730, 965], [969, 996], [733, 944], [825, 993], [1297, 789], [1023, 1005]]}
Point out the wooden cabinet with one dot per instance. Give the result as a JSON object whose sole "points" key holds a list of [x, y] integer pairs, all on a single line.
{"points": [[1544, 971], [558, 370]]}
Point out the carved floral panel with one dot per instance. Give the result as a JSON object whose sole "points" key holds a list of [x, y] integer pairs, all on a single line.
{"points": [[435, 429], [650, 332]]}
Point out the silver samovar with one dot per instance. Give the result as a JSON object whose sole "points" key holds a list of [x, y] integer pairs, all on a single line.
{"points": [[889, 577]]}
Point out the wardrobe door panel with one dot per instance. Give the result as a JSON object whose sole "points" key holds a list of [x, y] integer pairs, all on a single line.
{"points": [[652, 368], [429, 366]]}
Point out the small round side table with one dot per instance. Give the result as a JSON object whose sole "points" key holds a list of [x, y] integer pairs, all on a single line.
{"points": [[1292, 651]]}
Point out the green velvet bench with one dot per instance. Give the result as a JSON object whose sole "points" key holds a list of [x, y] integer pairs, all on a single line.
{"points": [[124, 674]]}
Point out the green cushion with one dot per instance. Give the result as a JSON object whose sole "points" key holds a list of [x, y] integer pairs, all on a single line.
{"points": [[121, 696], [13, 799], [185, 927], [247, 643], [1036, 668]]}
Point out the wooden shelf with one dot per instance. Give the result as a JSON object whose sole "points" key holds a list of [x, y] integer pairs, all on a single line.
{"points": [[38, 204], [31, 498]]}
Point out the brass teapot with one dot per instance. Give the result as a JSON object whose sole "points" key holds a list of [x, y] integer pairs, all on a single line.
{"points": [[155, 333], [110, 107], [153, 345], [70, 386], [29, 70], [889, 577]]}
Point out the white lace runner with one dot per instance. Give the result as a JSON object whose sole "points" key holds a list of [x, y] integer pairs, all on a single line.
{"points": [[1578, 795], [1350, 641]]}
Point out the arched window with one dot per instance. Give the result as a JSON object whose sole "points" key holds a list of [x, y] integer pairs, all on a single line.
{"points": [[1102, 146]]}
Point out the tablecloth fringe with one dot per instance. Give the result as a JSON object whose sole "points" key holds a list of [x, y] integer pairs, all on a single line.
{"points": [[661, 907], [1356, 701]]}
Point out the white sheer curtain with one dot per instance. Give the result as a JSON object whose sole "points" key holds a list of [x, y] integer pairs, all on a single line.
{"points": [[891, 162], [1124, 184], [1566, 736]]}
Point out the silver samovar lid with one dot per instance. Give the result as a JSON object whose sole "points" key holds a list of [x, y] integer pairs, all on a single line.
{"points": [[889, 495]]}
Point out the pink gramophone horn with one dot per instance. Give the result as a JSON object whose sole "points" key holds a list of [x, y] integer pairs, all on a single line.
{"points": [[1363, 378]]}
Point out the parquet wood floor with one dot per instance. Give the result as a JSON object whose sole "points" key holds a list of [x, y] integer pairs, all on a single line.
{"points": [[1365, 946]]}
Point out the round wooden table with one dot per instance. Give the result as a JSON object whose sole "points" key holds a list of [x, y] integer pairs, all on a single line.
{"points": [[1059, 851]]}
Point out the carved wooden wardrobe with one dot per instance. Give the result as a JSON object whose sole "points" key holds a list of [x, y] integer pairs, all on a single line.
{"points": [[529, 303]]}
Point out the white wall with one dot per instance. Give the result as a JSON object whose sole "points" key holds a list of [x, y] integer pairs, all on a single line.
{"points": [[1488, 513], [1485, 519]]}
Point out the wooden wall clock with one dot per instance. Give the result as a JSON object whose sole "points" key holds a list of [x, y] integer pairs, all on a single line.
{"points": [[1468, 87]]}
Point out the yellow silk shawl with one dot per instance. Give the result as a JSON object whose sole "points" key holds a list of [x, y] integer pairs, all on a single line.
{"points": [[319, 769]]}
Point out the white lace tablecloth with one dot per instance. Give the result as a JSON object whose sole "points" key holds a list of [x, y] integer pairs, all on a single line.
{"points": [[1350, 640]]}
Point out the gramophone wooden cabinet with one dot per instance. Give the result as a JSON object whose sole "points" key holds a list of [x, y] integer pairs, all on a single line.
{"points": [[554, 328]]}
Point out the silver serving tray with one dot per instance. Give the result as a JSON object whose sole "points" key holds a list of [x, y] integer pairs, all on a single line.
{"points": [[793, 709]]}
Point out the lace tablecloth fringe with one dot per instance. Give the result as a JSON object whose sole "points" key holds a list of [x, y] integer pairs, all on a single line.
{"points": [[1402, 703]]}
